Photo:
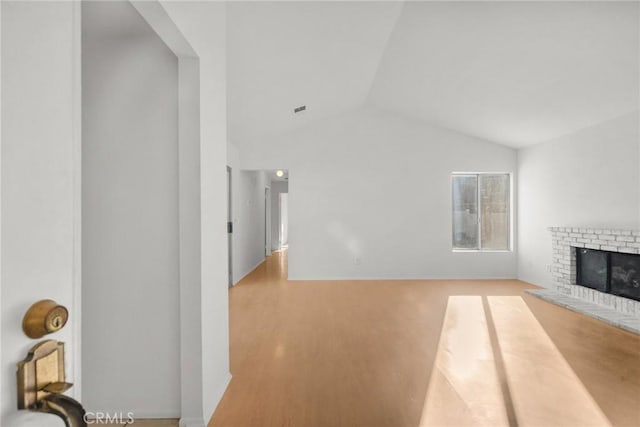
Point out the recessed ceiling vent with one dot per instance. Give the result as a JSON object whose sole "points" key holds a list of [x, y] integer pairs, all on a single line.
{"points": [[300, 109]]}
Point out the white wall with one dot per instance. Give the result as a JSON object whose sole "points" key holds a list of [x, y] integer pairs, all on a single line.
{"points": [[41, 45], [130, 251], [277, 188], [248, 215], [370, 197], [1, 383], [284, 219], [586, 179], [248, 222], [203, 24], [40, 183]]}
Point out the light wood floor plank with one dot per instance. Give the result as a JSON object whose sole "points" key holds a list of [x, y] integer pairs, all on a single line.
{"points": [[361, 353]]}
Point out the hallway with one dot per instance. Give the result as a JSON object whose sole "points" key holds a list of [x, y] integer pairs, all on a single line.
{"points": [[419, 352]]}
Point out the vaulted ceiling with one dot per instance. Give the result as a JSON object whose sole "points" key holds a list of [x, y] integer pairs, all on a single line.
{"points": [[516, 73], [282, 55]]}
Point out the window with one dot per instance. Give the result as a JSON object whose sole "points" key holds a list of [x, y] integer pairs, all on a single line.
{"points": [[481, 211]]}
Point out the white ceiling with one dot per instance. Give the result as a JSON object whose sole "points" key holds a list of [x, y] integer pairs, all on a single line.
{"points": [[513, 73], [516, 73], [285, 54]]}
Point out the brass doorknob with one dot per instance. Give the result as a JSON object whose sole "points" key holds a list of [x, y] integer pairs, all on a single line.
{"points": [[44, 317]]}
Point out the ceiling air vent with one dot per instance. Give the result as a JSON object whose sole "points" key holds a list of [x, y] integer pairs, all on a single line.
{"points": [[300, 109]]}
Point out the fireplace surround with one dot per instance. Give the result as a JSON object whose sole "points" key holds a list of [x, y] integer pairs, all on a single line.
{"points": [[610, 272], [601, 246]]}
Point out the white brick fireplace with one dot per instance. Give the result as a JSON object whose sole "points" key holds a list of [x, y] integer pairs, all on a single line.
{"points": [[563, 269]]}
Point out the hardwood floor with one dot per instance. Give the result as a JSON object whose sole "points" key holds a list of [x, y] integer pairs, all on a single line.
{"points": [[419, 352]]}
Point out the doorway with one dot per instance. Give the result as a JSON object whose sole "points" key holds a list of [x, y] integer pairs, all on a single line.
{"points": [[283, 235], [280, 216], [267, 221], [133, 240], [229, 227]]}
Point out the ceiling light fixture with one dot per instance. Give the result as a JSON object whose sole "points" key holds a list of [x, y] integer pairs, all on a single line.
{"points": [[279, 173]]}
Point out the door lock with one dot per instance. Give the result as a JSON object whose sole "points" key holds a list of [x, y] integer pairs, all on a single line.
{"points": [[44, 317]]}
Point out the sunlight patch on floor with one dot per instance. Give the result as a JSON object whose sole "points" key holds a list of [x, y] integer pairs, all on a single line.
{"points": [[464, 389], [539, 386], [544, 388]]}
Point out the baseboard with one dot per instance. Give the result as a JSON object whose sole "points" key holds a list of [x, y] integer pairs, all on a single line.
{"points": [[390, 279], [250, 271], [191, 422], [219, 393], [151, 415], [217, 397]]}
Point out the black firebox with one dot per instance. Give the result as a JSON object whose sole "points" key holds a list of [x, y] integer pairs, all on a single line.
{"points": [[611, 272]]}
